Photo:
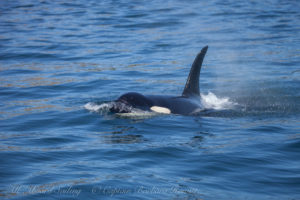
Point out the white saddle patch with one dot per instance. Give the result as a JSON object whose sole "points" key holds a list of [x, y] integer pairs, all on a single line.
{"points": [[160, 110]]}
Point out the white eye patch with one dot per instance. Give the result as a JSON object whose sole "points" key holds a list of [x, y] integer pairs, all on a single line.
{"points": [[160, 109]]}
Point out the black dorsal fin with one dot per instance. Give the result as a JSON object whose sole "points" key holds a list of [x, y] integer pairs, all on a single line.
{"points": [[192, 84]]}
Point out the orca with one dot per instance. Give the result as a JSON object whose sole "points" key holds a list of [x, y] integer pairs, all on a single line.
{"points": [[186, 104]]}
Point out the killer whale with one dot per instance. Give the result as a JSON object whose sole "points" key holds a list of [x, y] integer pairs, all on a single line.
{"points": [[186, 104]]}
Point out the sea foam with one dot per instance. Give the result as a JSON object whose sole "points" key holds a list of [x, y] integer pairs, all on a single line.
{"points": [[211, 101]]}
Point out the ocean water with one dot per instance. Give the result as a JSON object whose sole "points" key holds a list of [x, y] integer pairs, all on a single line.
{"points": [[62, 63]]}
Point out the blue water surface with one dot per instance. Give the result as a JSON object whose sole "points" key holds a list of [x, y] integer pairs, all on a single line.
{"points": [[56, 57]]}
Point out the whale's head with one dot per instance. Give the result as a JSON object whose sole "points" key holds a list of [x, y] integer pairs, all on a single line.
{"points": [[129, 101]]}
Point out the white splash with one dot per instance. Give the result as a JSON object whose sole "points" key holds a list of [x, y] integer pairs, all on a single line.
{"points": [[211, 101], [104, 107]]}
